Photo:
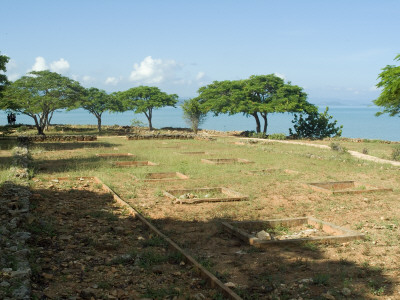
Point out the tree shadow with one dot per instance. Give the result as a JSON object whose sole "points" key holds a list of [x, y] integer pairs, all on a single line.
{"points": [[74, 221], [60, 146], [83, 164]]}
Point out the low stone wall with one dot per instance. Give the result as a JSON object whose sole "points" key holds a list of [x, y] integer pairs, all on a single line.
{"points": [[56, 138], [168, 136], [161, 136], [15, 271]]}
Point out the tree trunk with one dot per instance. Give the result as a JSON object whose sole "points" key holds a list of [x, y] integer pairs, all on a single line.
{"points": [[48, 120], [265, 117], [148, 116], [99, 123], [258, 127]]}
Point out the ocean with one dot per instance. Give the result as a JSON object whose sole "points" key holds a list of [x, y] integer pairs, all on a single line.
{"points": [[357, 121]]}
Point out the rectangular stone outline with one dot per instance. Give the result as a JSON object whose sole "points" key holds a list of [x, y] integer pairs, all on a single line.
{"points": [[369, 188], [128, 164], [213, 281], [232, 195], [219, 161], [172, 176], [269, 171], [344, 233], [193, 153], [114, 154]]}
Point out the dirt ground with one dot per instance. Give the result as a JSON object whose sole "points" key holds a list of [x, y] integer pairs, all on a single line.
{"points": [[86, 247], [368, 269]]}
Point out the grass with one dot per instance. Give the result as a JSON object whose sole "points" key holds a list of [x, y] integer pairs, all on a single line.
{"points": [[275, 195]]}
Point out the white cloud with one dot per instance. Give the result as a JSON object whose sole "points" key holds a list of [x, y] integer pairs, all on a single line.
{"points": [[280, 76], [39, 65], [151, 71], [200, 75], [112, 81], [13, 77], [87, 79], [11, 65], [59, 66]]}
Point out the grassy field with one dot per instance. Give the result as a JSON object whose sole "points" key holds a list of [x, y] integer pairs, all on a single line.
{"points": [[369, 268]]}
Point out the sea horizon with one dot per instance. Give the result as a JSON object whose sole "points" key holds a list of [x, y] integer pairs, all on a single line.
{"points": [[358, 121]]}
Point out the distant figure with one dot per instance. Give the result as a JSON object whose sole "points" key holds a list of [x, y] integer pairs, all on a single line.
{"points": [[13, 119], [9, 119]]}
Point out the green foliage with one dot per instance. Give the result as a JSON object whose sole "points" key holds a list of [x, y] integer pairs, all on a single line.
{"points": [[389, 98], [395, 153], [137, 123], [193, 113], [3, 78], [257, 97], [277, 136], [145, 99], [96, 102], [40, 94], [321, 279], [315, 125]]}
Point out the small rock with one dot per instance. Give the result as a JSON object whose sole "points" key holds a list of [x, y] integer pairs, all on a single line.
{"points": [[346, 291], [263, 235], [328, 296], [87, 293], [199, 296], [4, 284], [230, 284]]}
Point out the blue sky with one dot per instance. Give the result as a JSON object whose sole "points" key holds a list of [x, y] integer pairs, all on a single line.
{"points": [[333, 49]]}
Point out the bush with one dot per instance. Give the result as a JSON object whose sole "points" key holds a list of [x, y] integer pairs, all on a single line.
{"points": [[22, 128], [337, 147], [277, 136], [193, 114], [260, 135], [315, 125], [396, 154]]}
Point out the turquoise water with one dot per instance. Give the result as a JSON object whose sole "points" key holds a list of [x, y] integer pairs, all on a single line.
{"points": [[358, 122]]}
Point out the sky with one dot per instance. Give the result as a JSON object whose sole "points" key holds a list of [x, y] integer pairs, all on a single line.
{"points": [[334, 49]]}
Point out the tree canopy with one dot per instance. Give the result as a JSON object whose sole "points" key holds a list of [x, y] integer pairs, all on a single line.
{"points": [[3, 78], [257, 96], [96, 102], [144, 99], [389, 98], [39, 94]]}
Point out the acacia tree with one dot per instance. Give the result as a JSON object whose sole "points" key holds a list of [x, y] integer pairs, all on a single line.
{"points": [[390, 95], [96, 102], [257, 96], [193, 113], [144, 99], [3, 78], [40, 94]]}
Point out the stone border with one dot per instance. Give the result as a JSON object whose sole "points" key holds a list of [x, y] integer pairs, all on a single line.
{"points": [[161, 136], [14, 211], [193, 153], [220, 161], [163, 176], [213, 281], [57, 138], [114, 154], [270, 171], [337, 187], [134, 163], [232, 195], [342, 234]]}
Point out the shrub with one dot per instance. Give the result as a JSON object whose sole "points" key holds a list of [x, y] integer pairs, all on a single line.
{"points": [[193, 114], [396, 153], [260, 135], [277, 136], [315, 125], [337, 147], [22, 128]]}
